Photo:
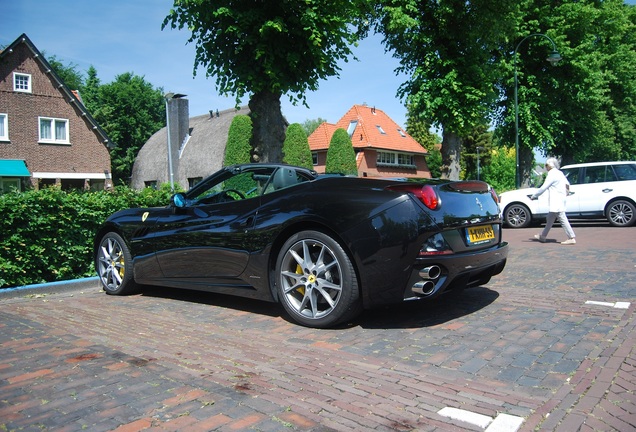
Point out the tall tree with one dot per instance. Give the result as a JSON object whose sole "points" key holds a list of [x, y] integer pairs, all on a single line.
{"points": [[267, 49], [296, 149], [585, 108], [237, 149], [450, 50], [130, 110], [341, 158], [72, 77]]}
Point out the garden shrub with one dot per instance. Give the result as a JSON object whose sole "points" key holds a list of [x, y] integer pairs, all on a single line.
{"points": [[47, 235]]}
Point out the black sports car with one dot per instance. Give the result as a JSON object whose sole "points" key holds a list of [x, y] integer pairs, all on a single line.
{"points": [[324, 246]]}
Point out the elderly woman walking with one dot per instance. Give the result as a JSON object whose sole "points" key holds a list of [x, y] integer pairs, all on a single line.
{"points": [[558, 188]]}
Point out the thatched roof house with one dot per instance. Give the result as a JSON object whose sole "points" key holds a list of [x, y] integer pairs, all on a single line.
{"points": [[197, 143]]}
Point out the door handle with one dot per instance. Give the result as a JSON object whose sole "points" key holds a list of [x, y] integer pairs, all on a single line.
{"points": [[607, 190]]}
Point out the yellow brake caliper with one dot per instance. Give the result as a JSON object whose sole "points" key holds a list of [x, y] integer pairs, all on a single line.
{"points": [[299, 270]]}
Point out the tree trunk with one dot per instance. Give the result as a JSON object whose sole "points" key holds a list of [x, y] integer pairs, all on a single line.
{"points": [[451, 146], [268, 127], [526, 165]]}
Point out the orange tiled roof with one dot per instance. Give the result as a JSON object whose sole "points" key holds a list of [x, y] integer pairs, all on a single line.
{"points": [[374, 129]]}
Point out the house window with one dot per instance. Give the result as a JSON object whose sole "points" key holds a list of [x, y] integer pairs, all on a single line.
{"points": [[401, 132], [352, 127], [4, 127], [151, 184], [380, 129], [193, 181], [314, 158], [395, 159], [53, 130], [22, 82]]}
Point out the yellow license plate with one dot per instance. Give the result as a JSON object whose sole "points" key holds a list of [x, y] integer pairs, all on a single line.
{"points": [[480, 234]]}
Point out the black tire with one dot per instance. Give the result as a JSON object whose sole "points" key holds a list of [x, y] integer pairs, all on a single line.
{"points": [[621, 213], [316, 281], [517, 216], [113, 262]]}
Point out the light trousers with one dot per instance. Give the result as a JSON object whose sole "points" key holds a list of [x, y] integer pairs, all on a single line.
{"points": [[563, 220]]}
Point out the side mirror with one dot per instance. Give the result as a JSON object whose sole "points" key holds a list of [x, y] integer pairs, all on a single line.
{"points": [[179, 200]]}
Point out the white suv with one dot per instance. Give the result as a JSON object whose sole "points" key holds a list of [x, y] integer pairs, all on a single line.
{"points": [[600, 189]]}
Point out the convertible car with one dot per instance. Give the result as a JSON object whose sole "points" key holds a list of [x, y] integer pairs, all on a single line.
{"points": [[324, 246]]}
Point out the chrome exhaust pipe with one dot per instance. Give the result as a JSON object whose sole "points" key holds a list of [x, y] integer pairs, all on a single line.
{"points": [[431, 272], [424, 288]]}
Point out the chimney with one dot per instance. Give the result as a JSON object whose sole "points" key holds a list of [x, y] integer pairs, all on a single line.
{"points": [[179, 119]]}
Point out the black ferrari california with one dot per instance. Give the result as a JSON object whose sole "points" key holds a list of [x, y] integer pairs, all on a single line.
{"points": [[324, 246]]}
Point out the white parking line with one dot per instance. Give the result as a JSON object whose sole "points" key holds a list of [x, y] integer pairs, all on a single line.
{"points": [[617, 305], [502, 423]]}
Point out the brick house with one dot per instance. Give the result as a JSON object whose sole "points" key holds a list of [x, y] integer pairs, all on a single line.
{"points": [[47, 137], [383, 149]]}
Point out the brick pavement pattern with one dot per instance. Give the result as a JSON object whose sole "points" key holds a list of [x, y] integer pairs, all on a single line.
{"points": [[527, 344]]}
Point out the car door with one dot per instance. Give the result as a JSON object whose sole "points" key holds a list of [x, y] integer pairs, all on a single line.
{"points": [[572, 204], [208, 237], [205, 241], [596, 189]]}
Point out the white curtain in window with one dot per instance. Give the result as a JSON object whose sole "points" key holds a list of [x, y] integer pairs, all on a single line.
{"points": [[60, 130], [45, 129], [3, 119]]}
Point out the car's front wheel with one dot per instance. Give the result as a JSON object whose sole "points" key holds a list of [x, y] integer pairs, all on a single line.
{"points": [[517, 216], [316, 281], [621, 213], [113, 262]]}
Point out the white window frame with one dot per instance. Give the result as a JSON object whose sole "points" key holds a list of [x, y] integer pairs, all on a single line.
{"points": [[4, 127], [386, 158], [353, 124], [53, 122], [18, 87]]}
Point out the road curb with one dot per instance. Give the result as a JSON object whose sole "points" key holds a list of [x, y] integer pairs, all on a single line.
{"points": [[50, 288]]}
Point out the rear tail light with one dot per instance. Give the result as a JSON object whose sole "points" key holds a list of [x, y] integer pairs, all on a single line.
{"points": [[426, 194]]}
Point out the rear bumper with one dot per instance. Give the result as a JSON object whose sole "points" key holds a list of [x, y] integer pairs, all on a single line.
{"points": [[455, 272]]}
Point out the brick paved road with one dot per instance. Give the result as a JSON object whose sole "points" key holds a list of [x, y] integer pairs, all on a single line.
{"points": [[527, 345]]}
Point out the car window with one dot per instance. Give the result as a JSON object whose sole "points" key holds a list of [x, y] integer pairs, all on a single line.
{"points": [[572, 174], [233, 186], [625, 171], [595, 174]]}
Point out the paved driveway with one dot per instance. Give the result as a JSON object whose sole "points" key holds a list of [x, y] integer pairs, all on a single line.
{"points": [[525, 351]]}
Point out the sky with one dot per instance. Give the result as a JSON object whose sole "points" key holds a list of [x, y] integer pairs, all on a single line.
{"points": [[119, 36]]}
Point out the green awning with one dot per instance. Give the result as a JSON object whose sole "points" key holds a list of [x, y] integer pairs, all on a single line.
{"points": [[13, 168]]}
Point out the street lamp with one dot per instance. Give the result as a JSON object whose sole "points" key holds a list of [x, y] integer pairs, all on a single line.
{"points": [[553, 58]]}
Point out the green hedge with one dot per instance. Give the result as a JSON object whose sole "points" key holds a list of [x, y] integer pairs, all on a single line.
{"points": [[47, 235]]}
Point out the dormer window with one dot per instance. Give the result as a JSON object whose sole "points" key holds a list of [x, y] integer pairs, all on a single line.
{"points": [[21, 82], [352, 127], [380, 129], [401, 132]]}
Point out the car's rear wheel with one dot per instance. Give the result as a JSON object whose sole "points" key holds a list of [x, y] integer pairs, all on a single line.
{"points": [[316, 280], [517, 216], [621, 213], [113, 262]]}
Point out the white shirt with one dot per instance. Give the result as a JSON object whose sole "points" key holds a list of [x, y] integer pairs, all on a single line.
{"points": [[557, 186]]}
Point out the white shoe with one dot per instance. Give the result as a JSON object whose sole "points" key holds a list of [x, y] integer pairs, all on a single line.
{"points": [[568, 242], [539, 238]]}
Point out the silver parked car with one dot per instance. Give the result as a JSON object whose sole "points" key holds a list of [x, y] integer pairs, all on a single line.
{"points": [[597, 190]]}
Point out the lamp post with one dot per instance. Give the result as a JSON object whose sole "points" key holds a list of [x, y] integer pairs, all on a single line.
{"points": [[553, 58], [478, 148]]}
